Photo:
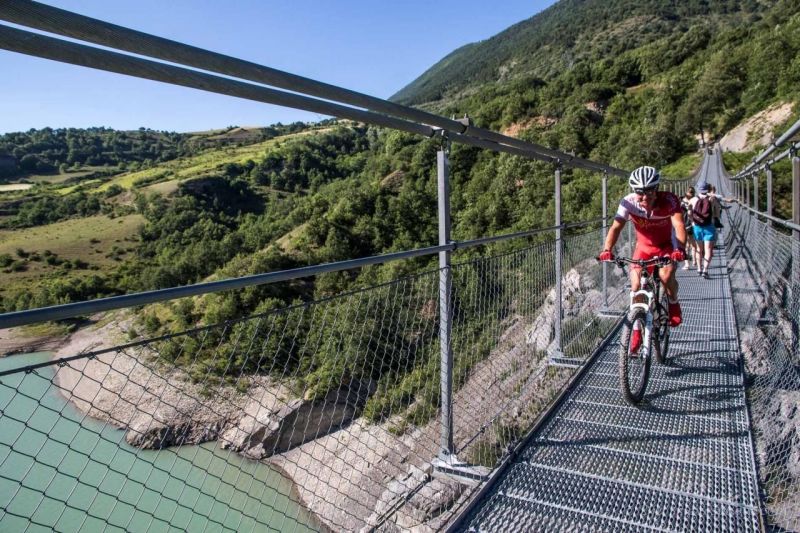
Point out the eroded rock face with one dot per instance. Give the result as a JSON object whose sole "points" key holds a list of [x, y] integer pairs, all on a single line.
{"points": [[578, 296], [298, 421], [423, 497], [779, 425], [156, 410], [752, 341], [174, 434]]}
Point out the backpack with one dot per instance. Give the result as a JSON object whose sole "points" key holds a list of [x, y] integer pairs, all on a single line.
{"points": [[685, 209], [701, 214]]}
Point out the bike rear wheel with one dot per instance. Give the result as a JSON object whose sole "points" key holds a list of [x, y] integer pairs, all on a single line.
{"points": [[661, 331], [634, 368]]}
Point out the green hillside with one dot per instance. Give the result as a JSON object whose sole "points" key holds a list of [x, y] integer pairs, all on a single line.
{"points": [[624, 82], [572, 32], [636, 85]]}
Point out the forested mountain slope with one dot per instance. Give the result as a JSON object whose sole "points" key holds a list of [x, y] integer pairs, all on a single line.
{"points": [[621, 81], [574, 31]]}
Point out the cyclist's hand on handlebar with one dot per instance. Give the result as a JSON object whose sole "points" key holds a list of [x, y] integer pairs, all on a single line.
{"points": [[678, 255], [605, 255]]}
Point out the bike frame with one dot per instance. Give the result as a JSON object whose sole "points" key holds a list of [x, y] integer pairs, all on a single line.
{"points": [[649, 291]]}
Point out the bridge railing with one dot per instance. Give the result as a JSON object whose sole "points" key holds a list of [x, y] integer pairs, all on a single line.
{"points": [[338, 397], [764, 268], [353, 397]]}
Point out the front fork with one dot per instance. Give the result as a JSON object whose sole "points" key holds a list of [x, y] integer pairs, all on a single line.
{"points": [[643, 299], [648, 332]]}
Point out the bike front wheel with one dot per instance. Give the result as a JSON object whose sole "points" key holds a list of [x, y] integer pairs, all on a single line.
{"points": [[634, 367]]}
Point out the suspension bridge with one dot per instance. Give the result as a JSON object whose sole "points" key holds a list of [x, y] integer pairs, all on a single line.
{"points": [[479, 395]]}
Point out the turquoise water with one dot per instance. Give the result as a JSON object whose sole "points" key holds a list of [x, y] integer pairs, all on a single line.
{"points": [[62, 470]]}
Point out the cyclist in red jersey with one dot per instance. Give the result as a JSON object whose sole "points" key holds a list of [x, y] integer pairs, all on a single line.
{"points": [[658, 220]]}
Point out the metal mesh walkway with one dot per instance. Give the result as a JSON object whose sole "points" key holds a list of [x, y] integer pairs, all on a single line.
{"points": [[683, 461]]}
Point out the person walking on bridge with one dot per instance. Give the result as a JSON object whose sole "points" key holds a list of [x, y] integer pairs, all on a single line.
{"points": [[686, 207], [704, 231], [658, 219]]}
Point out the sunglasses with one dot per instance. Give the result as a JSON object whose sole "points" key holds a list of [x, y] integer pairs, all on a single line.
{"points": [[642, 192]]}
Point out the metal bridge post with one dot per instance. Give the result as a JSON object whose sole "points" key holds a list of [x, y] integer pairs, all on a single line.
{"points": [[795, 281], [755, 191], [445, 292], [769, 193], [604, 310], [557, 304], [447, 463], [747, 193], [603, 237], [796, 195]]}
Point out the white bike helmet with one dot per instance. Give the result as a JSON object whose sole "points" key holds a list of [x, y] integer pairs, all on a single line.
{"points": [[644, 178]]}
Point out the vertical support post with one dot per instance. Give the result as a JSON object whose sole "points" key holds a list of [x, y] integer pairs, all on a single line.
{"points": [[755, 191], [769, 193], [445, 315], [796, 195], [603, 237], [747, 193], [795, 281], [557, 304]]}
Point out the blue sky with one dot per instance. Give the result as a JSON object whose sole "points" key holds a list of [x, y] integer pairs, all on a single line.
{"points": [[371, 46]]}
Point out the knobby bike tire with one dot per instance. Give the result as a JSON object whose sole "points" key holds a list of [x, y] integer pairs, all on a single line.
{"points": [[633, 393], [661, 333]]}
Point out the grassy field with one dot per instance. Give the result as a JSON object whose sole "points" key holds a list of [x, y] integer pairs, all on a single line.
{"points": [[61, 178], [164, 188], [15, 187], [90, 239], [183, 168], [198, 165], [86, 185]]}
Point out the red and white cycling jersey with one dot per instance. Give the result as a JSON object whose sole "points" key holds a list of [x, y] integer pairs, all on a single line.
{"points": [[653, 229]]}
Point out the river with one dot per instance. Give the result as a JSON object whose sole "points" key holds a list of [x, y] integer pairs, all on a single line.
{"points": [[62, 470]]}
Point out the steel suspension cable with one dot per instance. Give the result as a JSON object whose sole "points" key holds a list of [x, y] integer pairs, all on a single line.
{"points": [[62, 22]]}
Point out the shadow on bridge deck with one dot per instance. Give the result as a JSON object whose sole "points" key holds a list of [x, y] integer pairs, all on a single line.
{"points": [[682, 461]]}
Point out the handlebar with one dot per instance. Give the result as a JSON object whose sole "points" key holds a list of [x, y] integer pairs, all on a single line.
{"points": [[657, 261]]}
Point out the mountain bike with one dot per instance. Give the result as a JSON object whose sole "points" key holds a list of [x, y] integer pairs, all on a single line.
{"points": [[649, 313]]}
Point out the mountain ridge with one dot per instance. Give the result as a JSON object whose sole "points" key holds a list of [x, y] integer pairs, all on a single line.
{"points": [[546, 43]]}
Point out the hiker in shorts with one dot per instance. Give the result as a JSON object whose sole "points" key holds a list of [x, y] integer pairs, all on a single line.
{"points": [[717, 205], [691, 248], [703, 228]]}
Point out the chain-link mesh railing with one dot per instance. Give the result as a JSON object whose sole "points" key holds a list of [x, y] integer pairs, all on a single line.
{"points": [[320, 415], [763, 265]]}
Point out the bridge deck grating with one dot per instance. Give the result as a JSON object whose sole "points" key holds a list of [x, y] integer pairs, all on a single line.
{"points": [[682, 461]]}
